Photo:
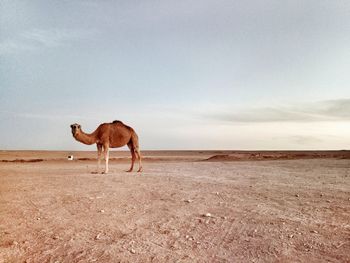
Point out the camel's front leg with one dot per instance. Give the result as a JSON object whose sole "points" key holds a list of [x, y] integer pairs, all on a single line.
{"points": [[106, 154], [99, 155]]}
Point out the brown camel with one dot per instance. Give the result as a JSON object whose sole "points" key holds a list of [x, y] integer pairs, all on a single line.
{"points": [[110, 135]]}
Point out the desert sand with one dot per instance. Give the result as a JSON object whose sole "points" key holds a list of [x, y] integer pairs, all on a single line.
{"points": [[208, 206]]}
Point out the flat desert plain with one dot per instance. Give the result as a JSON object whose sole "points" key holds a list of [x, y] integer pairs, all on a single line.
{"points": [[189, 206]]}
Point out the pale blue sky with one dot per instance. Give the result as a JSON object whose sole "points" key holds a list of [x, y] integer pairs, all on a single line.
{"points": [[185, 74]]}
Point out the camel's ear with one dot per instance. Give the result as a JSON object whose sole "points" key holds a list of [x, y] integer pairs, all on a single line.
{"points": [[79, 126]]}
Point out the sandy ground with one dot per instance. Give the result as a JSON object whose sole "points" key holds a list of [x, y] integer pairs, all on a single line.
{"points": [[185, 207]]}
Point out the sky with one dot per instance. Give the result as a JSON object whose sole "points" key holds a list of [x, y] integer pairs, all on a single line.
{"points": [[208, 74]]}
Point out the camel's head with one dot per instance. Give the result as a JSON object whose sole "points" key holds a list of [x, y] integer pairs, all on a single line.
{"points": [[76, 129]]}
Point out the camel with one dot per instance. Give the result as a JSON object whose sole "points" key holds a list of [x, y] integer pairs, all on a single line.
{"points": [[110, 135]]}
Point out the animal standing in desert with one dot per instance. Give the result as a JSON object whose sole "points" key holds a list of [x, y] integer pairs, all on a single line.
{"points": [[110, 135]]}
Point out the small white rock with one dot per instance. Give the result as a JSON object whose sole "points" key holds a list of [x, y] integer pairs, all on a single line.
{"points": [[132, 251], [102, 211], [188, 201], [207, 215], [98, 237]]}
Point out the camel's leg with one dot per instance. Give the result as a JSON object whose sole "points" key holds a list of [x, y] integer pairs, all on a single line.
{"points": [[138, 154], [106, 155], [136, 149], [99, 155], [133, 156]]}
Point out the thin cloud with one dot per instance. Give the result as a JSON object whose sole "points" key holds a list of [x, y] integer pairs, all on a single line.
{"points": [[44, 116], [330, 110], [11, 46], [52, 38], [38, 38], [304, 139]]}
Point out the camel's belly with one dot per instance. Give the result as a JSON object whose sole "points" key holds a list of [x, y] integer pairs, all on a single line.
{"points": [[117, 145], [118, 141]]}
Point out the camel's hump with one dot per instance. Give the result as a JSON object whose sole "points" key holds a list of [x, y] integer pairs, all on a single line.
{"points": [[116, 121]]}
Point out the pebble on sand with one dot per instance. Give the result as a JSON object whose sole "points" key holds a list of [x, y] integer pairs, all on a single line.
{"points": [[102, 211], [188, 201], [98, 237], [207, 215], [132, 251]]}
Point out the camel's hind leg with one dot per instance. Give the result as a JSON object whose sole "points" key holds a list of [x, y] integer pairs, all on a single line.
{"points": [[133, 156], [138, 154], [135, 145]]}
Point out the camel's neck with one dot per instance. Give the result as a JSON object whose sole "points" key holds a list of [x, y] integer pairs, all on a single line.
{"points": [[86, 138]]}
